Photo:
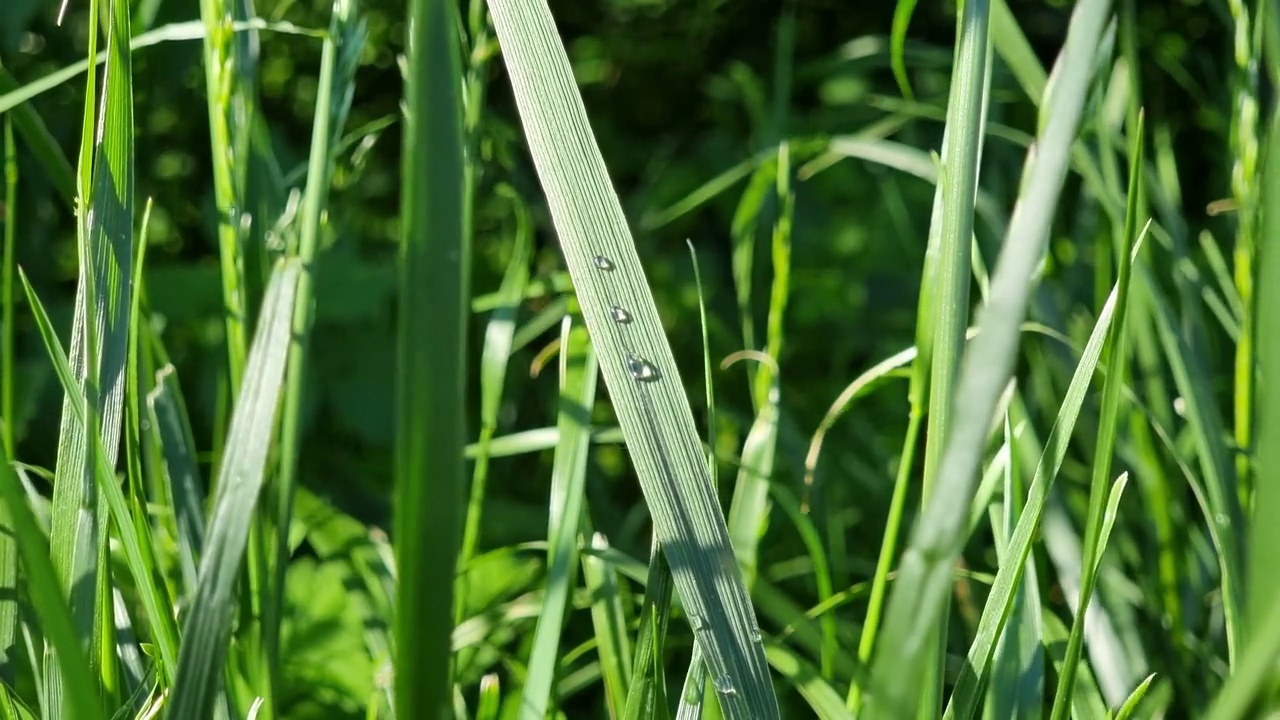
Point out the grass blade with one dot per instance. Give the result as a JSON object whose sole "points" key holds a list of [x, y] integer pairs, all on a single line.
{"points": [[924, 575], [1117, 361], [635, 356], [568, 495], [431, 365], [207, 628]]}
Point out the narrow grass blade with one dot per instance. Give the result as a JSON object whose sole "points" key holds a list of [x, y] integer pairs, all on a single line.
{"points": [[136, 545], [924, 576], [1134, 701], [1017, 677], [499, 343], [230, 91], [804, 677], [965, 697], [171, 432], [431, 362], [8, 420], [339, 57], [609, 620], [635, 356], [207, 628], [1117, 362], [47, 598], [646, 697], [578, 370], [902, 13], [1264, 533], [1253, 673], [36, 134]]}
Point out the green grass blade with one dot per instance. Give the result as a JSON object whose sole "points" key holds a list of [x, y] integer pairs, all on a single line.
{"points": [[431, 363], [339, 56], [1263, 577], [36, 133], [1253, 673], [822, 698], [136, 545], [171, 432], [100, 335], [1134, 701], [207, 628], [924, 575], [8, 420], [578, 370], [1117, 361], [635, 356], [47, 598], [902, 13], [965, 697], [609, 619], [646, 697], [230, 88], [499, 343], [949, 288]]}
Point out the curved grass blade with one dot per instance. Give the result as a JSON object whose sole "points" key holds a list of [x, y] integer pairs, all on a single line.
{"points": [[431, 372], [924, 576], [635, 356], [207, 629], [1134, 701], [902, 13]]}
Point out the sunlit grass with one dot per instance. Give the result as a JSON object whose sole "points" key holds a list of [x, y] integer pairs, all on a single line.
{"points": [[1065, 509]]}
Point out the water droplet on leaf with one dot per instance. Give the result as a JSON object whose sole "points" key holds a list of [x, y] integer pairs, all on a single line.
{"points": [[604, 263], [620, 314], [641, 369]]}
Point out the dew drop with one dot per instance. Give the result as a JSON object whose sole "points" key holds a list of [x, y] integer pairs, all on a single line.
{"points": [[724, 686], [604, 263], [620, 314], [756, 636], [697, 623], [641, 369]]}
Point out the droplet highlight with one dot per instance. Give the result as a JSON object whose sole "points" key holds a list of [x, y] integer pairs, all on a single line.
{"points": [[724, 686], [620, 315], [604, 263], [697, 623], [641, 369]]}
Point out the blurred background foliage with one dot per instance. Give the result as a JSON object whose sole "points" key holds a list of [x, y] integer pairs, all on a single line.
{"points": [[678, 92]]}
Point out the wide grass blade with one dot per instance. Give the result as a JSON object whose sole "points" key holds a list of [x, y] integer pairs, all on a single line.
{"points": [[431, 363], [99, 339], [207, 629], [1264, 531], [925, 572], [635, 357]]}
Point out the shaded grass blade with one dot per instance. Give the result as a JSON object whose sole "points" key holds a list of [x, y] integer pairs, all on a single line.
{"points": [[431, 362], [635, 356], [207, 628], [47, 597], [924, 576], [340, 54], [568, 490]]}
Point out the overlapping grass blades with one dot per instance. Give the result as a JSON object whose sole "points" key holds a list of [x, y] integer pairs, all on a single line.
{"points": [[431, 373], [578, 372], [207, 628], [925, 571], [99, 340], [635, 357]]}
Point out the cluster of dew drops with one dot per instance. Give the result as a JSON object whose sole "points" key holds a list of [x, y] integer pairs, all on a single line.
{"points": [[644, 371], [640, 369]]}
